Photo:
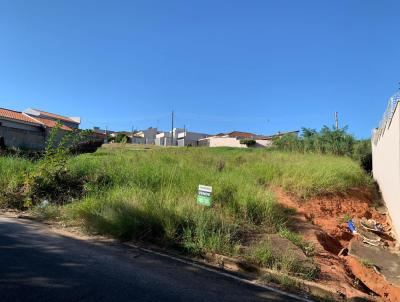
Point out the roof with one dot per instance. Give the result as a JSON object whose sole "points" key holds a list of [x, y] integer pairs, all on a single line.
{"points": [[56, 116], [25, 118], [280, 134], [51, 123], [241, 134], [237, 134], [16, 115]]}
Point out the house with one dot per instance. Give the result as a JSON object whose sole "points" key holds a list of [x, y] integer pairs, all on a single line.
{"points": [[31, 128], [169, 138], [234, 139], [51, 118], [188, 138], [147, 136]]}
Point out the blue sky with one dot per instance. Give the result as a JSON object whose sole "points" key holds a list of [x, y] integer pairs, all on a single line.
{"points": [[260, 66]]}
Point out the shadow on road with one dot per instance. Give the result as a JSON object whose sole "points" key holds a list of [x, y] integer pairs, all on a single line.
{"points": [[37, 265]]}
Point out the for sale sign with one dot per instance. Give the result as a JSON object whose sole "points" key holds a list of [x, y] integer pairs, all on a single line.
{"points": [[204, 195]]}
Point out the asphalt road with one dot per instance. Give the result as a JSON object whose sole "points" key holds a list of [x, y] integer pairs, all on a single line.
{"points": [[37, 264]]}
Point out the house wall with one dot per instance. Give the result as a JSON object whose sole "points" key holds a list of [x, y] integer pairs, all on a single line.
{"points": [[234, 142], [150, 133], [225, 142], [182, 142], [386, 167], [159, 141], [16, 125], [22, 137], [263, 143]]}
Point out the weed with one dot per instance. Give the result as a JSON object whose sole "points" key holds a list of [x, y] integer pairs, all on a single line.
{"points": [[367, 263], [307, 247], [346, 217]]}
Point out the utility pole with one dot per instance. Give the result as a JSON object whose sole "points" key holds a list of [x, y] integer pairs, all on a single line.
{"points": [[172, 128], [337, 120]]}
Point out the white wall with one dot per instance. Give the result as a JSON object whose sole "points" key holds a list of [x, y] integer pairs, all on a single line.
{"points": [[386, 166], [234, 142], [225, 142]]}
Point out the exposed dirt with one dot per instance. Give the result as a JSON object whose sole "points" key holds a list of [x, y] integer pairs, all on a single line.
{"points": [[321, 221]]}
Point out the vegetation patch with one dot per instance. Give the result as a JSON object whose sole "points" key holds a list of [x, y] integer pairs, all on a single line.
{"points": [[150, 194], [328, 141]]}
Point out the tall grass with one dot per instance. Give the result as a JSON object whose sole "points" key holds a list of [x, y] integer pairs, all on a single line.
{"points": [[12, 176]]}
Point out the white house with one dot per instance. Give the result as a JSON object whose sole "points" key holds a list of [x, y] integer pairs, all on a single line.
{"points": [[165, 138], [188, 138], [147, 136], [233, 139]]}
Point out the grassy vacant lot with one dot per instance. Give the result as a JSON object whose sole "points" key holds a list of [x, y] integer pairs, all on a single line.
{"points": [[150, 194]]}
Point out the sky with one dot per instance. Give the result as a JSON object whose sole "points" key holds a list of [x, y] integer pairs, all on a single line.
{"points": [[252, 65]]}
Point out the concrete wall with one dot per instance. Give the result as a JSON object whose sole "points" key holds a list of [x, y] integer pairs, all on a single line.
{"points": [[25, 136], [386, 166], [22, 138]]}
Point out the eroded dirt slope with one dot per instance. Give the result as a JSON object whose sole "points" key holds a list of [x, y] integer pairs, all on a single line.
{"points": [[322, 221]]}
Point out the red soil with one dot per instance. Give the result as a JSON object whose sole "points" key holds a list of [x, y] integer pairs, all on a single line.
{"points": [[320, 221]]}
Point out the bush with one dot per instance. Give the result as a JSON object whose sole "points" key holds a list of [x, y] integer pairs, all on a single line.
{"points": [[51, 179], [121, 138], [362, 152], [86, 146], [248, 142], [328, 141]]}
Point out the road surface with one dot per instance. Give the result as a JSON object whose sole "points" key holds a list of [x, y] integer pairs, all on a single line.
{"points": [[37, 264]]}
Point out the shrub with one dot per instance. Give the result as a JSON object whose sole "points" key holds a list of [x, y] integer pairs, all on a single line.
{"points": [[328, 141], [51, 179], [248, 142], [86, 146], [362, 152], [121, 138]]}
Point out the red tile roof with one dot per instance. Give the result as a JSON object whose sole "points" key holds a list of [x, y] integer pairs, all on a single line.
{"points": [[241, 134], [56, 116], [16, 115], [51, 123], [38, 121]]}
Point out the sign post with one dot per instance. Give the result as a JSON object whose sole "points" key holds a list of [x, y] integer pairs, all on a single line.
{"points": [[204, 196]]}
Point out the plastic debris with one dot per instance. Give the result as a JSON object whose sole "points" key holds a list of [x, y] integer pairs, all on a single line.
{"points": [[371, 225], [351, 227], [44, 203]]}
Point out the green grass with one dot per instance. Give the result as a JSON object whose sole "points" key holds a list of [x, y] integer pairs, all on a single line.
{"points": [[367, 263], [149, 194], [12, 176], [261, 253]]}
